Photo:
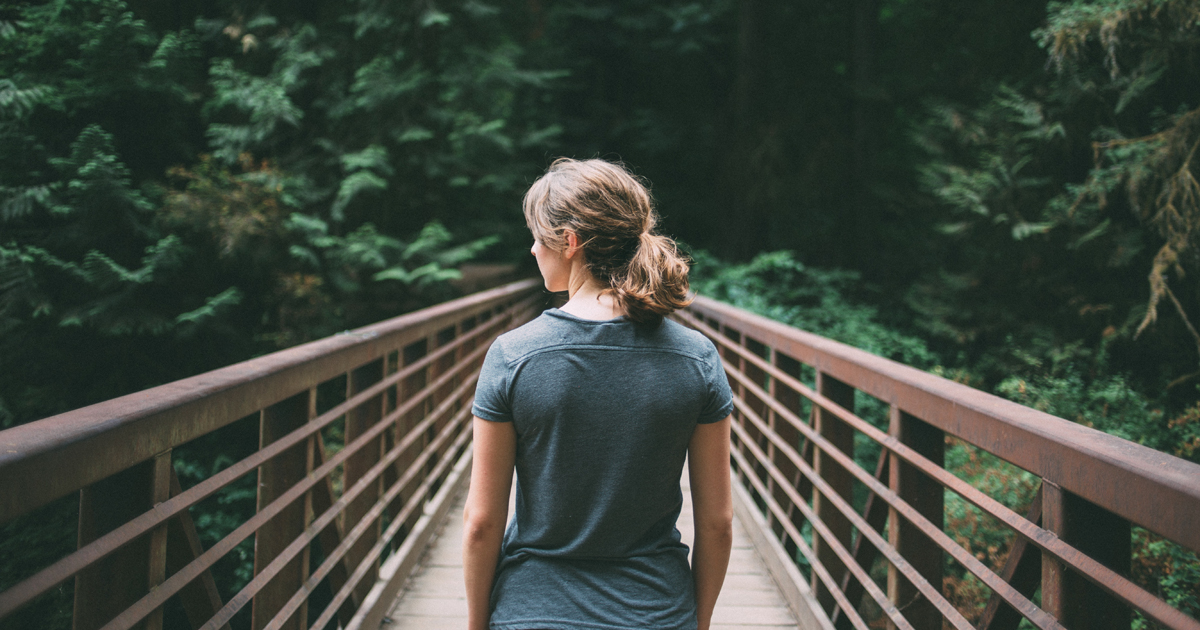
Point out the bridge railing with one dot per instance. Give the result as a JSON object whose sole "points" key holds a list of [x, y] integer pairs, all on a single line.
{"points": [[795, 438], [334, 532]]}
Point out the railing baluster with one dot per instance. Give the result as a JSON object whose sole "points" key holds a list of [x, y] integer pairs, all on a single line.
{"points": [[841, 436], [103, 506], [927, 497], [160, 491], [405, 390], [1075, 601], [358, 421], [791, 400], [275, 476], [331, 536], [310, 503]]}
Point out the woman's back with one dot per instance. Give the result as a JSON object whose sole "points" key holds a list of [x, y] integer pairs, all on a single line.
{"points": [[595, 406], [603, 412]]}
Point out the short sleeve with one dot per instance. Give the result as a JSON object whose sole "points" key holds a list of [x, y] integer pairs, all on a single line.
{"points": [[719, 399], [493, 401]]}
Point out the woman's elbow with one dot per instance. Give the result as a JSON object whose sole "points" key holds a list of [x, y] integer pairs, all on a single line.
{"points": [[481, 528], [718, 526]]}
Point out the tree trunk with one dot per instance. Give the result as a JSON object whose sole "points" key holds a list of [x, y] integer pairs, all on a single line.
{"points": [[866, 16], [745, 217]]}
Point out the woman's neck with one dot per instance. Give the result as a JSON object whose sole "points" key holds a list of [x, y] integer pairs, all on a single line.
{"points": [[589, 300]]}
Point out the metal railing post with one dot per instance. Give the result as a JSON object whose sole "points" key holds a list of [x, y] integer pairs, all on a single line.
{"points": [[405, 390], [839, 479], [791, 400], [275, 477], [160, 490], [358, 421], [1073, 600], [928, 498], [115, 582]]}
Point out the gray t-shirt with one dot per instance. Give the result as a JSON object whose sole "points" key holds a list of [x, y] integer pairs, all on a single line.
{"points": [[604, 412]]}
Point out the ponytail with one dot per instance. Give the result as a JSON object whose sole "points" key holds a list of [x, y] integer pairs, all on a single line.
{"points": [[610, 210], [656, 280]]}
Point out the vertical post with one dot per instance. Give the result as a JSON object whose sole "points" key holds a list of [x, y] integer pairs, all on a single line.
{"points": [[116, 581], [447, 364], [733, 362], [1074, 601], [406, 389], [1052, 569], [275, 477], [790, 399], [927, 497], [310, 506], [841, 436], [358, 421], [774, 423], [760, 408], [160, 491]]}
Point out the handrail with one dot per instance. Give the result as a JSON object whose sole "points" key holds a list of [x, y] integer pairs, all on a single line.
{"points": [[405, 416], [99, 440], [409, 383], [801, 472]]}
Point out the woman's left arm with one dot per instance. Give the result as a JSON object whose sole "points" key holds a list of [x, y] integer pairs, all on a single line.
{"points": [[486, 513]]}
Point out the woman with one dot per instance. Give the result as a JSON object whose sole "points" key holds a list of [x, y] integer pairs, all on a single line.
{"points": [[596, 405]]}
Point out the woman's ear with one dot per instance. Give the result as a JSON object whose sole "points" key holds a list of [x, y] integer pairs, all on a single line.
{"points": [[572, 244]]}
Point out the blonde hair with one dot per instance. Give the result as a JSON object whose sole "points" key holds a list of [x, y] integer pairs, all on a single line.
{"points": [[611, 212]]}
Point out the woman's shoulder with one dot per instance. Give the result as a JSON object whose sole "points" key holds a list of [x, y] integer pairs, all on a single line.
{"points": [[552, 329], [536, 333], [686, 339]]}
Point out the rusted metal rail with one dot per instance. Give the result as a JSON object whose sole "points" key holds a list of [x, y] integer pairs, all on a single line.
{"points": [[349, 523], [335, 531], [795, 437]]}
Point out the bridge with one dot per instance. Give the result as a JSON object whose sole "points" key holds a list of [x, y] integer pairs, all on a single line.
{"points": [[363, 451]]}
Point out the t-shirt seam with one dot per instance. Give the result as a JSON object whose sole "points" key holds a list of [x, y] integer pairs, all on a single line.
{"points": [[568, 346]]}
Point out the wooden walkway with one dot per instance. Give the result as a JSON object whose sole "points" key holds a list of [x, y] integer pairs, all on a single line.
{"points": [[433, 598]]}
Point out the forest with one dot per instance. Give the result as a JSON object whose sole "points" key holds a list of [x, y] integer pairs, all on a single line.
{"points": [[1002, 192]]}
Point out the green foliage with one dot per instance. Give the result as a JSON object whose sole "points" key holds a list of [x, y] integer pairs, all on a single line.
{"points": [[832, 303], [1002, 139], [1170, 571], [1080, 233]]}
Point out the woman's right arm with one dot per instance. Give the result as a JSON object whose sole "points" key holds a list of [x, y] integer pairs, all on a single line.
{"points": [[712, 514], [486, 512]]}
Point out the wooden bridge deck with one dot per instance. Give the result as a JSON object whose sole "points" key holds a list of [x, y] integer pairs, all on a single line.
{"points": [[433, 598]]}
